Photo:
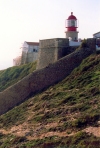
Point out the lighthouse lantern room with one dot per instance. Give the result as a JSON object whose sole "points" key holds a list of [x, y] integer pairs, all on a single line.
{"points": [[71, 25]]}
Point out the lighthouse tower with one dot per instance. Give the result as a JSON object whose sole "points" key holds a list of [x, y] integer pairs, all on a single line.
{"points": [[71, 25]]}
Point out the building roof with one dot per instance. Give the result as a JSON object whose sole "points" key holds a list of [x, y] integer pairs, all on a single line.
{"points": [[72, 17], [96, 33], [33, 43]]}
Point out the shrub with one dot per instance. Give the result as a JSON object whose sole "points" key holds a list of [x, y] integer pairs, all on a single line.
{"points": [[84, 44]]}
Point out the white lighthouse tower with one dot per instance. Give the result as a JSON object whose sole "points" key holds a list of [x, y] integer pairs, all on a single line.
{"points": [[71, 25]]}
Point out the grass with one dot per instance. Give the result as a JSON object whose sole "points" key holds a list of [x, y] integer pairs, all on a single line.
{"points": [[79, 140], [11, 75], [13, 116], [73, 104]]}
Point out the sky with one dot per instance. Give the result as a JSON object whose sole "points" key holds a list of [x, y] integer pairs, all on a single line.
{"points": [[34, 20]]}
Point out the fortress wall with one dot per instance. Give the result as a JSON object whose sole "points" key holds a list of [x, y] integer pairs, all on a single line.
{"points": [[32, 56], [47, 53], [51, 50], [91, 42], [65, 51], [41, 79], [28, 57], [24, 57], [45, 60]]}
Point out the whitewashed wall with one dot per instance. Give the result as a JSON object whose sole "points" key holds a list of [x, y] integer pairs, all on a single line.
{"points": [[29, 53], [72, 43]]}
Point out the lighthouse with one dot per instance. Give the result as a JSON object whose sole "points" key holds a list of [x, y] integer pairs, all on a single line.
{"points": [[71, 25]]}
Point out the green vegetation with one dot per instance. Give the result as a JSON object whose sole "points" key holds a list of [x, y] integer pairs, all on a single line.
{"points": [[11, 75], [65, 110], [84, 44], [79, 140]]}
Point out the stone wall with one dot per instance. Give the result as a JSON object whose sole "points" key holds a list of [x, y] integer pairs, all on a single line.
{"points": [[24, 57], [28, 57], [91, 42], [31, 57], [51, 50], [41, 79]]}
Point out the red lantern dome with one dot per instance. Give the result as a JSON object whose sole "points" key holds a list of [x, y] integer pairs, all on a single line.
{"points": [[71, 23], [72, 17]]}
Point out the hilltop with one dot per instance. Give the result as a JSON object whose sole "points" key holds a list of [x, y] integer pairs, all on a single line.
{"points": [[65, 115]]}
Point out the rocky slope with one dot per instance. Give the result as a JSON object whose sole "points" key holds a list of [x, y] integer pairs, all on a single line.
{"points": [[65, 115]]}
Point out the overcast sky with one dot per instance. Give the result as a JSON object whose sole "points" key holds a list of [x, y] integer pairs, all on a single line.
{"points": [[33, 20]]}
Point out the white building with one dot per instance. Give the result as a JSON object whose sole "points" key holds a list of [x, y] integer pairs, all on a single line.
{"points": [[29, 53], [96, 35], [73, 43]]}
